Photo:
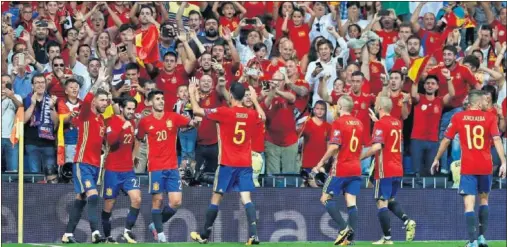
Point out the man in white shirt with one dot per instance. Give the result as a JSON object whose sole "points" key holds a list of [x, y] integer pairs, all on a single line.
{"points": [[10, 104]]}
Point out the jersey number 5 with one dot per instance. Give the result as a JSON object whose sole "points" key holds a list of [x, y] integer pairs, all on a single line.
{"points": [[475, 138], [240, 132]]}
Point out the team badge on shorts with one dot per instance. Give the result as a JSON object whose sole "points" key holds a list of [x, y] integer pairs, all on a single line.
{"points": [[88, 184], [109, 192], [156, 186]]}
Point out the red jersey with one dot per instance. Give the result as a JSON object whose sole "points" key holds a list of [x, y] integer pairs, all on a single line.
{"points": [[124, 16], [376, 68], [169, 82], [279, 24], [231, 74], [90, 134], [361, 105], [462, 79], [476, 130], [258, 138], [232, 23], [427, 115], [502, 31], [398, 105], [55, 87], [161, 139], [315, 142], [346, 132], [121, 145], [301, 102], [207, 131], [386, 39], [430, 41], [388, 132], [281, 125], [300, 35], [256, 9], [235, 127]]}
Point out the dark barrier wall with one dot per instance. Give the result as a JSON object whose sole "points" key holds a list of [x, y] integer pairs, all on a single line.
{"points": [[289, 214]]}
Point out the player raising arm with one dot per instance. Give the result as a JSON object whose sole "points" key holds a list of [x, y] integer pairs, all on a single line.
{"points": [[345, 176], [386, 146], [161, 129], [119, 173], [475, 128], [85, 172], [235, 127]]}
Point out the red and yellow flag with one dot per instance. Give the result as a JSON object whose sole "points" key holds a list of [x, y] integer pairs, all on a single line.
{"points": [[417, 68], [17, 133]]}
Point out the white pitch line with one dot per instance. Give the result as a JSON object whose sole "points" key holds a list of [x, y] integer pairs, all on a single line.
{"points": [[45, 245]]}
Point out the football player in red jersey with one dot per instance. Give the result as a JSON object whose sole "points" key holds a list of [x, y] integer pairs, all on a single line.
{"points": [[387, 146], [85, 172], [119, 169], [235, 127], [345, 146], [160, 129], [476, 129]]}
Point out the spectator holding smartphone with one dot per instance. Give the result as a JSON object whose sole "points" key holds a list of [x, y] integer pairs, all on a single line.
{"points": [[10, 103]]}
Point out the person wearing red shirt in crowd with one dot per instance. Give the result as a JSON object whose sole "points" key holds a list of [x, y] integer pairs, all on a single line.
{"points": [[281, 10], [119, 169], [387, 147], [52, 16], [173, 75], [26, 19], [296, 83], [299, 33], [69, 107], [496, 112], [477, 130], [388, 35], [160, 129], [206, 67], [253, 76], [315, 133], [287, 52], [257, 8], [206, 152], [462, 79], [427, 114], [483, 74], [147, 36], [392, 55], [345, 147], [231, 68], [258, 157], [228, 17], [56, 79], [430, 39], [235, 125], [500, 24], [486, 45], [70, 37], [408, 52], [119, 13], [91, 128], [401, 101], [281, 138], [373, 65]]}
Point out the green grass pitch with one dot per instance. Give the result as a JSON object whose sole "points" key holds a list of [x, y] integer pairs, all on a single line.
{"points": [[284, 244]]}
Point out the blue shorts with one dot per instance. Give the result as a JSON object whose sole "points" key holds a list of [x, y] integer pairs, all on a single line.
{"points": [[229, 179], [116, 181], [164, 181], [341, 185], [386, 188], [471, 184], [85, 177]]}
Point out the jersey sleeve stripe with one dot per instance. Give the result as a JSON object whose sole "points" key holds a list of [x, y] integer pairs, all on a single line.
{"points": [[82, 146]]}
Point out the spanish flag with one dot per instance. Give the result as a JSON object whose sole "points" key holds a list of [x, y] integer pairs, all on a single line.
{"points": [[60, 151], [417, 68], [17, 130]]}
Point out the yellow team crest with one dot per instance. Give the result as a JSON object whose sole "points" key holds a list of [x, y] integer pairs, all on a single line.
{"points": [[169, 124], [109, 192], [208, 102], [374, 69], [88, 184], [156, 186]]}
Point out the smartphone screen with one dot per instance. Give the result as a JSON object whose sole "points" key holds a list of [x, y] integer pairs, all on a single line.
{"points": [[127, 82], [21, 59]]}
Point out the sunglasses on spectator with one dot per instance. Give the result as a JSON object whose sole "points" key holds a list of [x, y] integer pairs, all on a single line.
{"points": [[58, 65]]}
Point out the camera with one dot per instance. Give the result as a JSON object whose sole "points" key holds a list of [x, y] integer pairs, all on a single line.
{"points": [[265, 85], [250, 21], [8, 86], [168, 31]]}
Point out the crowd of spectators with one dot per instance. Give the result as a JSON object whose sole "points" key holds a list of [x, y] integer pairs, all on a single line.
{"points": [[300, 57]]}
